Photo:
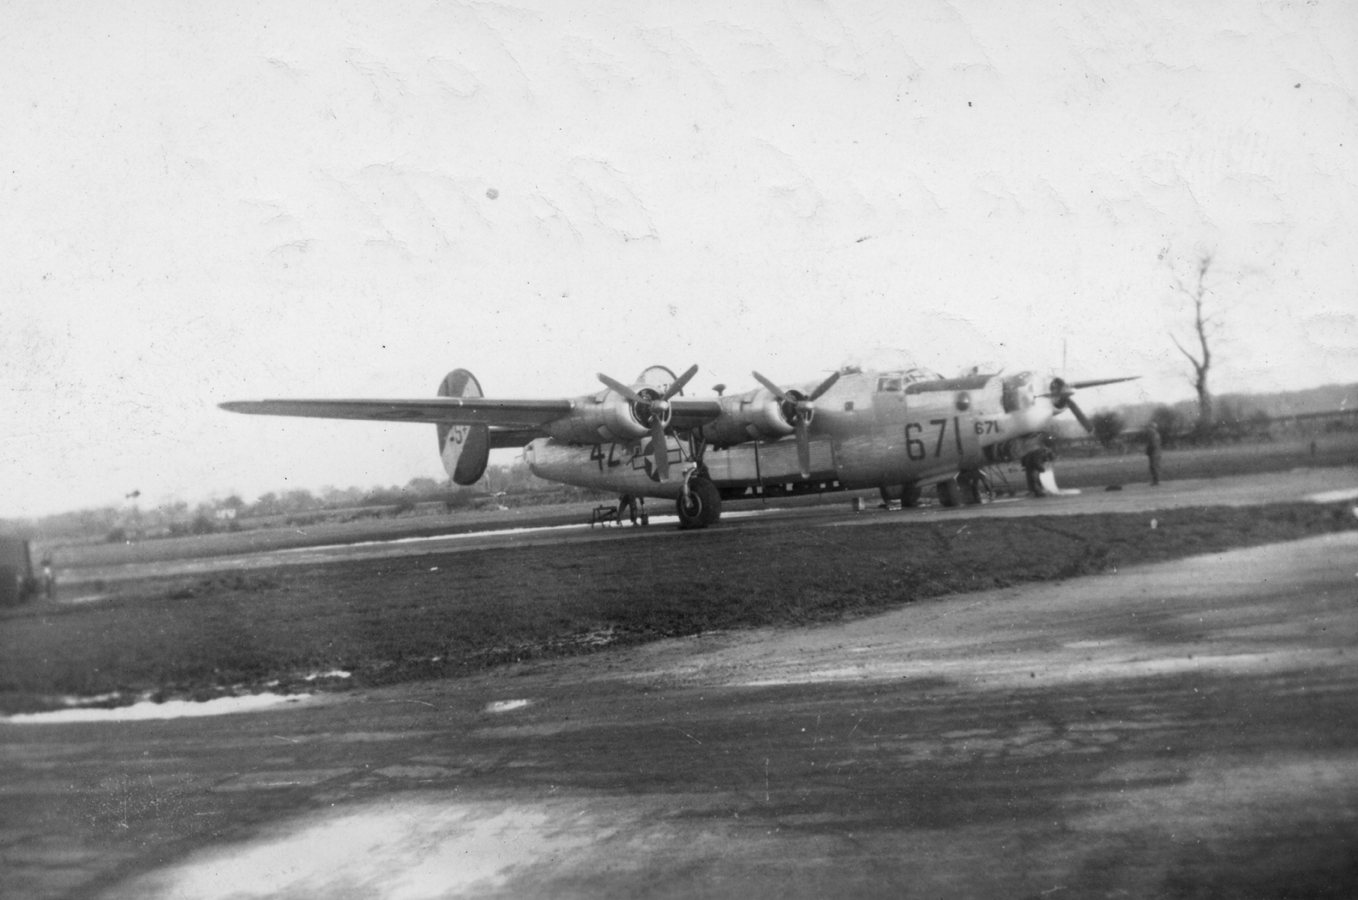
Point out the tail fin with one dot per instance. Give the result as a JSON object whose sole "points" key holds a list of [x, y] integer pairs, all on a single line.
{"points": [[465, 448]]}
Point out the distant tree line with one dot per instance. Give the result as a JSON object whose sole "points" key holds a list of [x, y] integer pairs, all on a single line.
{"points": [[1231, 422], [1234, 418], [507, 485]]}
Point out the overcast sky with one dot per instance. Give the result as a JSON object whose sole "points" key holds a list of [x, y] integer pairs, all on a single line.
{"points": [[204, 202]]}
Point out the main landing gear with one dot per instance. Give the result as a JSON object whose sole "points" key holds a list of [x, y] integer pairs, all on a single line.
{"points": [[949, 493], [975, 486], [700, 504], [907, 494], [970, 487]]}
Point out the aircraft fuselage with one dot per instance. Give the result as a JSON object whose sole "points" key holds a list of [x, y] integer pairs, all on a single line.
{"points": [[869, 430]]}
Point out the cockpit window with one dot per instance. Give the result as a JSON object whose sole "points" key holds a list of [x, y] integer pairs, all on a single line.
{"points": [[892, 383]]}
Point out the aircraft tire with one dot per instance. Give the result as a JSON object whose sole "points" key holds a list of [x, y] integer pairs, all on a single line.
{"points": [[907, 494], [949, 494], [975, 487], [703, 506]]}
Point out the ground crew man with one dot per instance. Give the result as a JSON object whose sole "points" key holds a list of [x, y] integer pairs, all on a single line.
{"points": [[1034, 462], [1153, 452]]}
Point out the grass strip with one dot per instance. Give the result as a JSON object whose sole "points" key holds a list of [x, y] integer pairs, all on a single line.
{"points": [[441, 615]]}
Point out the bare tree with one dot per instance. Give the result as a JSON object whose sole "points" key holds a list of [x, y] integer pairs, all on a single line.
{"points": [[1202, 363]]}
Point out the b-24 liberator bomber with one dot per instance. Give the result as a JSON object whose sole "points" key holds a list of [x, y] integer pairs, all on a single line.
{"points": [[900, 431]]}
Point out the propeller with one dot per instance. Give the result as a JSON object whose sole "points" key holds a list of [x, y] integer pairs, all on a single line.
{"points": [[1062, 394], [798, 409], [653, 409]]}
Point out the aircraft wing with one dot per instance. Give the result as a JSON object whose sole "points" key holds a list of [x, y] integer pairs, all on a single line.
{"points": [[512, 414], [512, 423], [692, 413], [513, 438]]}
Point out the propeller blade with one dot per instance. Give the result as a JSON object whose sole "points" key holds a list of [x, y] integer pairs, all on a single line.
{"points": [[1060, 387], [660, 449], [681, 381], [824, 386], [775, 389], [1079, 414], [1077, 385], [804, 447], [622, 389]]}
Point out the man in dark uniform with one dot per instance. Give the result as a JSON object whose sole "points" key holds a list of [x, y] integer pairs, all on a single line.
{"points": [[1034, 462], [1153, 452]]}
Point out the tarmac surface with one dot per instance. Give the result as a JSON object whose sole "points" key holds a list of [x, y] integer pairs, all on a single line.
{"points": [[1179, 729], [837, 510]]}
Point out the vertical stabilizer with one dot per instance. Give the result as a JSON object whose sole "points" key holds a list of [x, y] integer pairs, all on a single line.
{"points": [[465, 448]]}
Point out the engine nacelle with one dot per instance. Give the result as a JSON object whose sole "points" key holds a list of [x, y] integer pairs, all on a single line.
{"points": [[600, 419], [610, 417], [1028, 410], [754, 416]]}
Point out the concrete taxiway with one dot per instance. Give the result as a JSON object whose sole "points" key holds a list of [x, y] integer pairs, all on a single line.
{"points": [[1188, 728], [835, 511]]}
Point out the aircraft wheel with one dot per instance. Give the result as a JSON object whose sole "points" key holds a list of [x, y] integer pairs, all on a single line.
{"points": [[702, 506], [907, 494], [949, 494], [975, 487]]}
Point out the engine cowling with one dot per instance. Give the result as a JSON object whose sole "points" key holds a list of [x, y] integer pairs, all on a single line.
{"points": [[601, 418], [1028, 410], [757, 415], [624, 413]]}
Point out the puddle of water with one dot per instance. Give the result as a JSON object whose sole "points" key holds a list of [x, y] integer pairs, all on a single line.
{"points": [[170, 709], [411, 852], [424, 539], [93, 700], [1334, 496], [656, 520], [333, 673], [1042, 671], [288, 778], [500, 706], [83, 598]]}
